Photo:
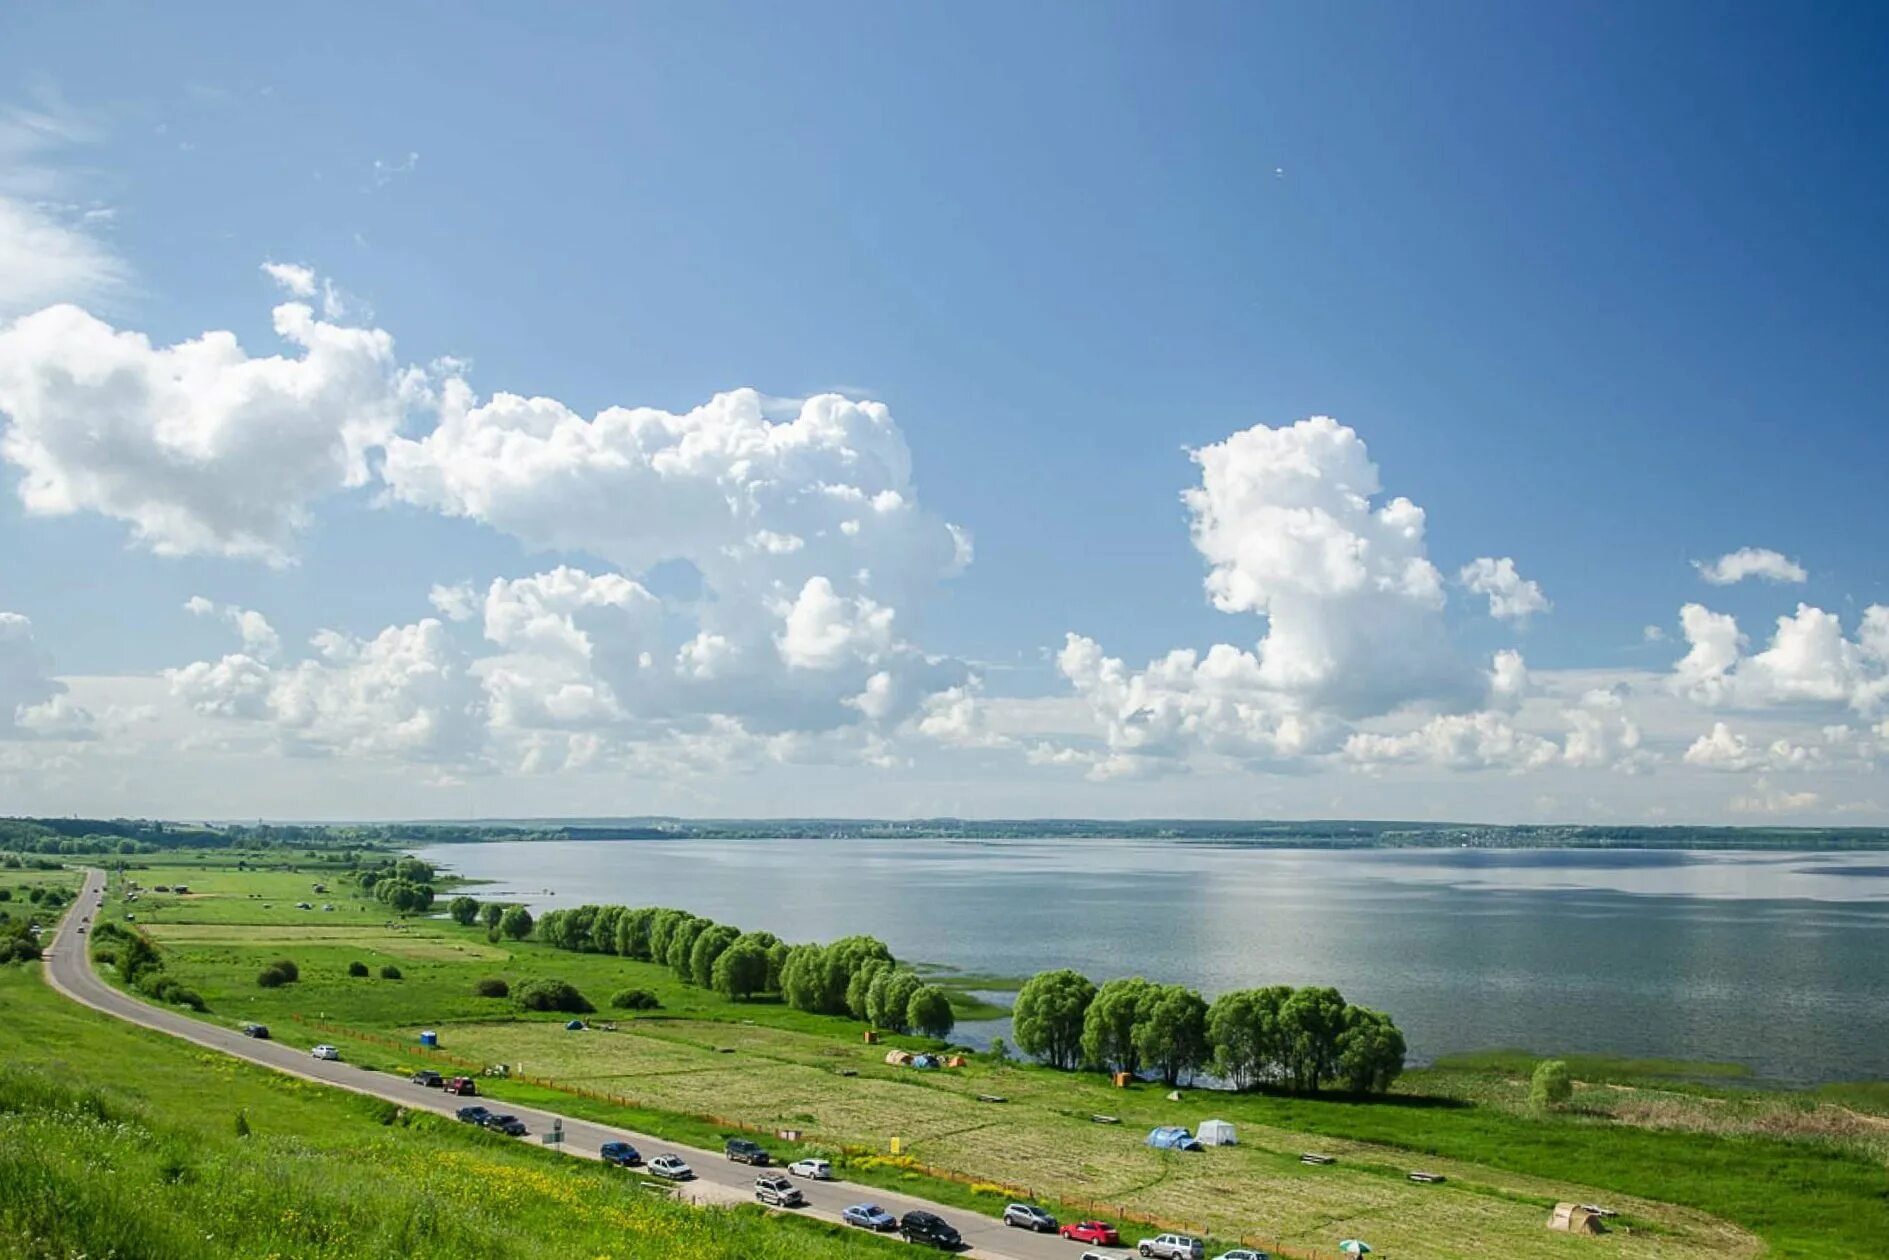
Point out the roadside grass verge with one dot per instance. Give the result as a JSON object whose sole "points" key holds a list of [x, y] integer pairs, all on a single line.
{"points": [[115, 1141]]}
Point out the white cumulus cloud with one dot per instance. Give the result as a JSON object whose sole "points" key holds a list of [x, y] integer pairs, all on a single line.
{"points": [[1512, 597], [199, 447], [1751, 562]]}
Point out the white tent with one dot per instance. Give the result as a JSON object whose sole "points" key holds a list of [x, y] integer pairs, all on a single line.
{"points": [[1218, 1133]]}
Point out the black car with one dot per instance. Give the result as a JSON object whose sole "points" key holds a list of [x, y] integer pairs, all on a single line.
{"points": [[428, 1078], [930, 1229], [473, 1115], [510, 1126], [259, 1031], [622, 1154], [743, 1151]]}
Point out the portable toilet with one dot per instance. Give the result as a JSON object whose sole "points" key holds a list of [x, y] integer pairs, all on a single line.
{"points": [[429, 1038]]}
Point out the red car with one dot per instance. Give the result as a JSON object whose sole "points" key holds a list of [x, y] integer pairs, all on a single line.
{"points": [[462, 1085], [1092, 1232]]}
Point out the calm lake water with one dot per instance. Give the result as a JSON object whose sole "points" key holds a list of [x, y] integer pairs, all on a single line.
{"points": [[1776, 961]]}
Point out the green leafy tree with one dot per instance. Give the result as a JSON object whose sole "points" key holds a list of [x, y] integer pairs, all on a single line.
{"points": [[889, 997], [1171, 1032], [776, 964], [740, 971], [1108, 1027], [1310, 1022], [633, 933], [1552, 1085], [515, 923], [661, 923], [1048, 1016], [413, 870], [490, 912], [929, 1012], [714, 941], [859, 985], [603, 930], [1243, 1029], [682, 945], [464, 910], [800, 983], [1370, 1051]]}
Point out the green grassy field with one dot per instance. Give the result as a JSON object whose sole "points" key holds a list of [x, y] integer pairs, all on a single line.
{"points": [[1698, 1168], [119, 1142]]}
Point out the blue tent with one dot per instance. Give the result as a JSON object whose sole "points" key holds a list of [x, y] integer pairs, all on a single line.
{"points": [[925, 1061], [1173, 1138]]}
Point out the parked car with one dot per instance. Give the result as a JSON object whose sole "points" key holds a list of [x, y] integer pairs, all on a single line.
{"points": [[473, 1115], [259, 1031], [326, 1052], [672, 1167], [429, 1078], [742, 1151], [464, 1086], [777, 1190], [622, 1154], [811, 1169], [1098, 1232], [931, 1229], [1172, 1247], [870, 1216], [509, 1125], [1029, 1216], [1243, 1253], [1097, 1255]]}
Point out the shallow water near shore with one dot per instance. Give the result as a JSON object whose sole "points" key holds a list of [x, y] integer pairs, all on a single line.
{"points": [[1775, 961]]}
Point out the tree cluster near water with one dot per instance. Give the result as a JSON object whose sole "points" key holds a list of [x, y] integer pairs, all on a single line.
{"points": [[1300, 1039], [855, 976]]}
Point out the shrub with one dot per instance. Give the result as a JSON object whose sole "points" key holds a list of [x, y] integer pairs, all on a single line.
{"points": [[181, 996], [634, 1000], [288, 969], [390, 972], [1552, 1085], [553, 995], [491, 986], [464, 910], [357, 968], [242, 1124], [272, 977]]}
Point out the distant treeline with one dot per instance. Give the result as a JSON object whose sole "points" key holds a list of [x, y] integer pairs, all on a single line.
{"points": [[129, 836], [854, 976]]}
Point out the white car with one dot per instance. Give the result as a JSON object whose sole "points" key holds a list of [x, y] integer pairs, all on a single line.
{"points": [[1243, 1253], [672, 1167], [326, 1052], [812, 1169]]}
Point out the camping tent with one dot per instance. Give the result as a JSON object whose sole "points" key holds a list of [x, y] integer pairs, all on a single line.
{"points": [[898, 1058], [1218, 1133], [924, 1060], [1171, 1137], [1575, 1219]]}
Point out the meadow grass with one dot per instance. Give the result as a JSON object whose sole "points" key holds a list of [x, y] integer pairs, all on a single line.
{"points": [[1804, 1195], [116, 1141]]}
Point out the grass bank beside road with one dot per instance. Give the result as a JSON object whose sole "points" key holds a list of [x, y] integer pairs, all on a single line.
{"points": [[1695, 1170], [115, 1141]]}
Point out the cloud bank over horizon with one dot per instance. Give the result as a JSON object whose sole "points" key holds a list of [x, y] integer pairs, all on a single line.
{"points": [[741, 588]]}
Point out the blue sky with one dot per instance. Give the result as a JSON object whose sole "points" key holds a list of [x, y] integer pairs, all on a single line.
{"points": [[1599, 289]]}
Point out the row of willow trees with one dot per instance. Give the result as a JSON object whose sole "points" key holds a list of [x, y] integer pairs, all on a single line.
{"points": [[1301, 1039], [854, 976]]}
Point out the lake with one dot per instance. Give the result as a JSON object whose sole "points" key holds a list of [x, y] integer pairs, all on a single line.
{"points": [[1772, 960]]}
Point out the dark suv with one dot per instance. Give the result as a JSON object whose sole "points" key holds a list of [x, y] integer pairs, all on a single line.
{"points": [[930, 1229], [743, 1151]]}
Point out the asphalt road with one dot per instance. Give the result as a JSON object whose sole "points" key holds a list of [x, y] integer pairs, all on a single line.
{"points": [[718, 1180]]}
